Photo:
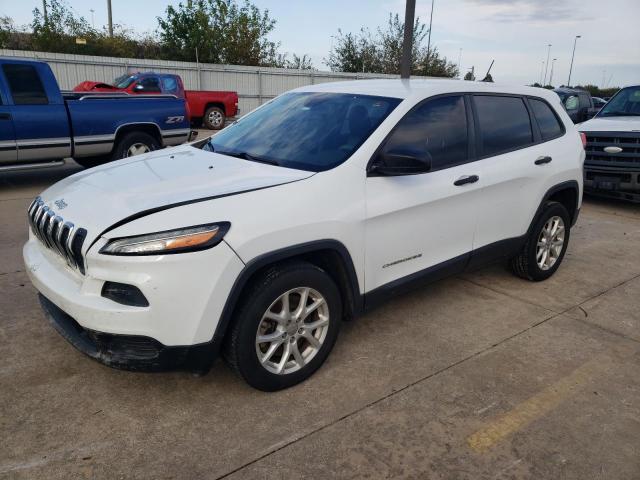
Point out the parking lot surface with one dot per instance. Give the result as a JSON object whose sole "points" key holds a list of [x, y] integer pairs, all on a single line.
{"points": [[481, 376]]}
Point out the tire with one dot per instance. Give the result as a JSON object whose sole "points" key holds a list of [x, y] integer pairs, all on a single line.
{"points": [[263, 297], [214, 118], [526, 263], [141, 140]]}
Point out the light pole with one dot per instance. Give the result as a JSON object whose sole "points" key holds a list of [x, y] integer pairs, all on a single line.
{"points": [[575, 40], [459, 63], [546, 68], [110, 18], [553, 62], [93, 23], [429, 37], [407, 45], [541, 71]]}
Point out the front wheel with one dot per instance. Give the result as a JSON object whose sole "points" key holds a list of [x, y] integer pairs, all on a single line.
{"points": [[547, 243], [286, 326]]}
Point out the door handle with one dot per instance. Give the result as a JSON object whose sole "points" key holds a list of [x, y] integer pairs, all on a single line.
{"points": [[463, 180], [543, 160], [5, 116]]}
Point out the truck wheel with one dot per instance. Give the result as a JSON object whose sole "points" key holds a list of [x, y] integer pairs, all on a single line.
{"points": [[286, 326], [545, 248], [213, 118], [134, 143]]}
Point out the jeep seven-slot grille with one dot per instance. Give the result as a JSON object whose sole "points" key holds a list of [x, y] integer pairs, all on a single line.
{"points": [[628, 142], [58, 235]]}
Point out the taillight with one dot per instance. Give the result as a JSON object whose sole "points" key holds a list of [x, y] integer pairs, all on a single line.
{"points": [[583, 137]]}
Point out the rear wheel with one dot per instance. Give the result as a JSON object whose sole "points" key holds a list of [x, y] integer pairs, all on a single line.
{"points": [[547, 243], [286, 327], [134, 143], [213, 118]]}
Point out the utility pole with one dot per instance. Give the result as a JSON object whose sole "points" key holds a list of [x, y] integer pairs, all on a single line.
{"points": [[44, 11], [110, 18], [429, 37], [546, 68], [541, 71], [93, 23], [407, 45], [460, 63], [575, 40], [553, 62]]}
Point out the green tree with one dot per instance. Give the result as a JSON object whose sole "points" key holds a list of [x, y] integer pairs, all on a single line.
{"points": [[470, 76], [7, 29], [382, 52], [221, 30]]}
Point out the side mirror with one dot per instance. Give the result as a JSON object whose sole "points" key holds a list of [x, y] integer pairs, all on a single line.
{"points": [[138, 88], [396, 163]]}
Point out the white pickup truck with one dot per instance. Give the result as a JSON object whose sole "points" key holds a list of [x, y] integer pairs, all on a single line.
{"points": [[612, 164]]}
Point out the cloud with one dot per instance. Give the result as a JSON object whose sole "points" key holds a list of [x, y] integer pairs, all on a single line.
{"points": [[533, 11]]}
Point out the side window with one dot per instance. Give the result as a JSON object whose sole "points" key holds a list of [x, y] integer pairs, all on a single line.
{"points": [[150, 85], [504, 123], [549, 124], [437, 128], [170, 85], [571, 103], [25, 85]]}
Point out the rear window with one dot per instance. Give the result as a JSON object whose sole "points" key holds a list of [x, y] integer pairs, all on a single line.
{"points": [[25, 85], [549, 124], [504, 123]]}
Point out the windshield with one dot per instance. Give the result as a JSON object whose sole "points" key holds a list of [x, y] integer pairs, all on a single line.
{"points": [[123, 81], [624, 103], [307, 131]]}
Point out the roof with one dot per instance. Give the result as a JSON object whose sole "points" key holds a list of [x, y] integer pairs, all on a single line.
{"points": [[422, 88]]}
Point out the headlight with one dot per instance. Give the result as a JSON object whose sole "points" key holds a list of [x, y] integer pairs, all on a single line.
{"points": [[180, 240]]}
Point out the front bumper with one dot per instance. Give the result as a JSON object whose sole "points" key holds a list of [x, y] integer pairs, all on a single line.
{"points": [[186, 292], [126, 352], [613, 182]]}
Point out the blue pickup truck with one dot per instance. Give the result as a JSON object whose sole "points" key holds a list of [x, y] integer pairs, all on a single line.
{"points": [[40, 125]]}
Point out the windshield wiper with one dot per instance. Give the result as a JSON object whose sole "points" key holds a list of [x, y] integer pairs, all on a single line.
{"points": [[248, 156]]}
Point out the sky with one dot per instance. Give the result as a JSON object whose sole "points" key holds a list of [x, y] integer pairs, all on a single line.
{"points": [[514, 33]]}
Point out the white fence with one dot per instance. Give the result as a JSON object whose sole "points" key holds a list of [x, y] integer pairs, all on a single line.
{"points": [[253, 84]]}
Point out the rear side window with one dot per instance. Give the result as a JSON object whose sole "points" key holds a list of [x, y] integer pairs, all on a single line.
{"points": [[547, 121], [25, 85], [504, 123], [170, 85], [438, 128]]}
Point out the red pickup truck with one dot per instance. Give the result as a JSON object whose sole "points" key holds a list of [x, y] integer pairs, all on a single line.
{"points": [[208, 108]]}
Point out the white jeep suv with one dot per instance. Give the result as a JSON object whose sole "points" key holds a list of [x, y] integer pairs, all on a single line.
{"points": [[258, 242]]}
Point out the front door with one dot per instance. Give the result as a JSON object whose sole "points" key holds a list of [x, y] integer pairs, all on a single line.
{"points": [[8, 150], [423, 224]]}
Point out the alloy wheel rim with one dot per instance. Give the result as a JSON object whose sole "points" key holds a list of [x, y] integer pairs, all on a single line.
{"points": [[137, 149], [550, 243], [292, 330], [215, 118]]}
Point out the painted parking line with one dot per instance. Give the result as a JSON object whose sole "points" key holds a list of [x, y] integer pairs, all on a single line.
{"points": [[538, 405]]}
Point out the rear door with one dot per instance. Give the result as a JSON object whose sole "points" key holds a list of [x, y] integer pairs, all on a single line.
{"points": [[517, 165], [8, 149], [40, 120], [418, 225]]}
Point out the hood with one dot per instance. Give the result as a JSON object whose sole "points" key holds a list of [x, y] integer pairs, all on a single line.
{"points": [[97, 198], [610, 124], [90, 86]]}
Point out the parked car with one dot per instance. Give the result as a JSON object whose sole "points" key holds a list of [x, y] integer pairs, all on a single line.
{"points": [[315, 207], [41, 126], [578, 103], [612, 165], [599, 102], [209, 108]]}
